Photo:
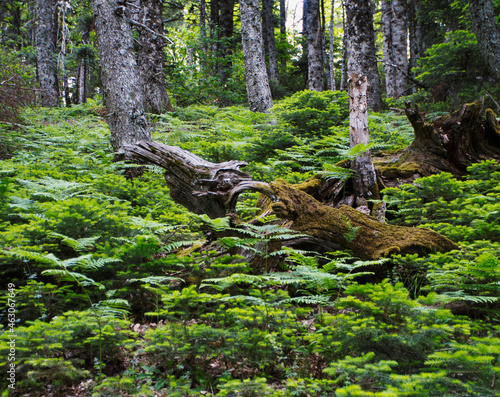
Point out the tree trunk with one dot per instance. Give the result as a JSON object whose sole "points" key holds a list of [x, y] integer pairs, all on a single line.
{"points": [[365, 180], [315, 77], [283, 35], [361, 52], [150, 57], [272, 52], [259, 93], [415, 37], [122, 89], [46, 42], [343, 70], [226, 32], [395, 42], [487, 33], [331, 52]]}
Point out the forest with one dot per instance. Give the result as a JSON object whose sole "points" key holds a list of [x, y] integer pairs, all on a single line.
{"points": [[249, 198]]}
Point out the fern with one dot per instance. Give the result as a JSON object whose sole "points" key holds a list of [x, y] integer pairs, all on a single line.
{"points": [[82, 244]]}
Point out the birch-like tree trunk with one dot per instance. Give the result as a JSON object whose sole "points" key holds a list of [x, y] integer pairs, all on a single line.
{"points": [[122, 90], [361, 54], [46, 42], [272, 51], [487, 33], [83, 69], [150, 58], [394, 44], [315, 76], [258, 90], [365, 179]]}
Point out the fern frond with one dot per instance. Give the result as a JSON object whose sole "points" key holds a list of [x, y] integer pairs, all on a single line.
{"points": [[308, 300], [82, 244], [155, 280]]}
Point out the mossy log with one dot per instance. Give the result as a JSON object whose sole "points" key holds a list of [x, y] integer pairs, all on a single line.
{"points": [[213, 189]]}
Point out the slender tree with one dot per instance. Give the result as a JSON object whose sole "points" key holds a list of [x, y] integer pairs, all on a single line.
{"points": [[283, 34], [150, 58], [416, 44], [225, 36], [315, 76], [122, 90], [259, 93], [395, 39], [46, 42], [272, 51], [361, 54], [331, 53], [487, 33]]}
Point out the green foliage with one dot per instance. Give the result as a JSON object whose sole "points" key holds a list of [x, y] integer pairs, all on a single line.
{"points": [[117, 288], [312, 113]]}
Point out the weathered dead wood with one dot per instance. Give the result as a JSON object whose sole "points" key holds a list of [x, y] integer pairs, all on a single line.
{"points": [[199, 185], [213, 189], [449, 144]]}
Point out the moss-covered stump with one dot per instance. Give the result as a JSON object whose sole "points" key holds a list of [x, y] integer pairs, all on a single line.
{"points": [[449, 144], [346, 228]]}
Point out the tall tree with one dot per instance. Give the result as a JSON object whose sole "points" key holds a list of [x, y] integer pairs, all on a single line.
{"points": [[283, 34], [258, 90], [46, 43], [361, 54], [272, 51], [487, 33], [122, 89], [330, 49], [150, 58], [84, 54], [416, 43], [395, 39], [225, 35], [312, 23]]}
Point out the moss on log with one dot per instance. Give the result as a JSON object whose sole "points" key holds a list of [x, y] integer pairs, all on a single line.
{"points": [[347, 228]]}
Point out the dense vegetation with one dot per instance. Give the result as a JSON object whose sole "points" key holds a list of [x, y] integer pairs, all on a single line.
{"points": [[119, 291]]}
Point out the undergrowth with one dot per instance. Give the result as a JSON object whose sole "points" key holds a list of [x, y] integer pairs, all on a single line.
{"points": [[118, 292]]}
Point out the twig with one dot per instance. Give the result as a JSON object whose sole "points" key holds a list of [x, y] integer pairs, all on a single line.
{"points": [[496, 103], [151, 30]]}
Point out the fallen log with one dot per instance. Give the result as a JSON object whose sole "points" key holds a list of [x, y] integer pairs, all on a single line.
{"points": [[213, 189]]}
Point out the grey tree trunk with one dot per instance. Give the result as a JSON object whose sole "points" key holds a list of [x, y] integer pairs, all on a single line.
{"points": [[259, 93], [331, 52], [365, 180], [361, 54], [283, 33], [315, 75], [487, 33], [415, 37], [395, 42], [46, 42], [150, 57], [272, 52], [122, 89], [225, 35], [343, 70]]}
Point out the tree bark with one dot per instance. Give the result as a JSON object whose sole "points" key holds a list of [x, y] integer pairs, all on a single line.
{"points": [[331, 54], [487, 33], [315, 76], [272, 51], [122, 89], [46, 43], [449, 144], [150, 58], [365, 180], [415, 37], [361, 52], [283, 35], [395, 39], [258, 90], [226, 32]]}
